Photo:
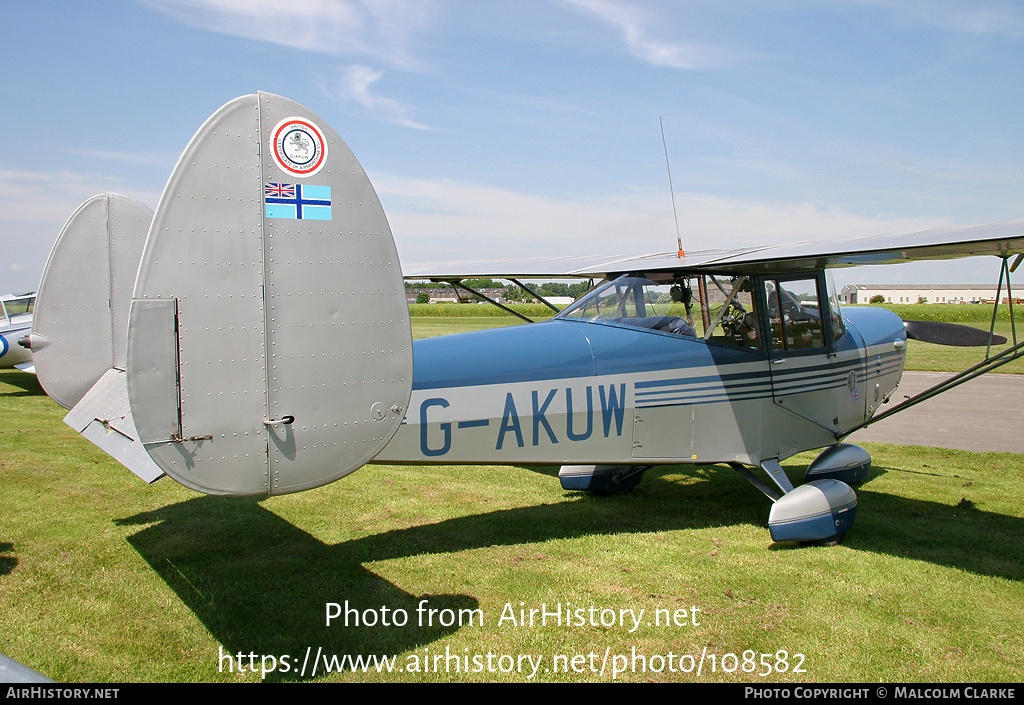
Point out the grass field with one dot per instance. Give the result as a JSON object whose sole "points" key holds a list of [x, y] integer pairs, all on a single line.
{"points": [[106, 579], [942, 358]]}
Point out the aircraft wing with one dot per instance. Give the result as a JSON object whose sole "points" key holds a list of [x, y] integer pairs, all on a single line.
{"points": [[569, 266], [1001, 239]]}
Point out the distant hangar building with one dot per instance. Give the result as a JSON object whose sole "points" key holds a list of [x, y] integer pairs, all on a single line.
{"points": [[916, 293]]}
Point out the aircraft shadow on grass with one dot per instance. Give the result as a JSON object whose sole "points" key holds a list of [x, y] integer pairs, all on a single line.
{"points": [[27, 383], [261, 584]]}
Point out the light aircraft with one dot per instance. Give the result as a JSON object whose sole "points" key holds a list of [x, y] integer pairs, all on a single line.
{"points": [[15, 322], [269, 349]]}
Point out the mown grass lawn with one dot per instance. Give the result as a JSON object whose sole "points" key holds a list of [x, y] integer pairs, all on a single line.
{"points": [[942, 358], [106, 579]]}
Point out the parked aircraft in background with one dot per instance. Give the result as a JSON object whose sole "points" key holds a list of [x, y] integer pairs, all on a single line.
{"points": [[15, 322]]}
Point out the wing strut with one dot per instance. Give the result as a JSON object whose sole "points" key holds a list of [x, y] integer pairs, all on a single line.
{"points": [[536, 295], [1004, 270], [725, 306], [457, 283]]}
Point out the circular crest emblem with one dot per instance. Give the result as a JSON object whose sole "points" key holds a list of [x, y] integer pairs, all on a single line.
{"points": [[298, 146]]}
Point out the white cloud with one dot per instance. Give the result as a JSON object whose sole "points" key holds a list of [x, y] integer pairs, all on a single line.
{"points": [[385, 30], [50, 198], [435, 220], [634, 24], [34, 207], [47, 197], [356, 85]]}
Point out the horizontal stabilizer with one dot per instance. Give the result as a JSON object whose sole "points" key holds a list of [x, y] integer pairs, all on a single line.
{"points": [[103, 417], [950, 334]]}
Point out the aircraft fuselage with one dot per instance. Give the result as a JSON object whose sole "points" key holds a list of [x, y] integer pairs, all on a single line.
{"points": [[571, 391]]}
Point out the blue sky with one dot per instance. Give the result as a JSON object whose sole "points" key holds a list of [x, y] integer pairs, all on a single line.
{"points": [[529, 127]]}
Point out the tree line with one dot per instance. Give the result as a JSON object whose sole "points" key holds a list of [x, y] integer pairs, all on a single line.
{"points": [[511, 291]]}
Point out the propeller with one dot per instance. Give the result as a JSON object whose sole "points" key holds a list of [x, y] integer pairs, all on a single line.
{"points": [[949, 334]]}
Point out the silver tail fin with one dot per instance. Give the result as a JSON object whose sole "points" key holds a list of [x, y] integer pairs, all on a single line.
{"points": [[80, 324], [269, 348]]}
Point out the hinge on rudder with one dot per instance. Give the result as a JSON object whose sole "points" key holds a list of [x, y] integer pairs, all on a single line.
{"points": [[176, 438]]}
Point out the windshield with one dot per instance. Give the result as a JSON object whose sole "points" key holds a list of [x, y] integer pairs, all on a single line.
{"points": [[10, 307], [640, 302], [628, 297]]}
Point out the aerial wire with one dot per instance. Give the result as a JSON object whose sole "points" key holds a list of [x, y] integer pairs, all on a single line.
{"points": [[685, 293], [679, 238]]}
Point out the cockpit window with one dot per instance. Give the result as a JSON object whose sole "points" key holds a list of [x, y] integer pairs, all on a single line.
{"points": [[11, 307], [794, 314], [716, 308]]}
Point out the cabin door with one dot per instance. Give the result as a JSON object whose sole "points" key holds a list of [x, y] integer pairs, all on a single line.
{"points": [[817, 369]]}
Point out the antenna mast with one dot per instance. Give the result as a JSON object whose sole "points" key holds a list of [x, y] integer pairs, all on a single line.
{"points": [[679, 239]]}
